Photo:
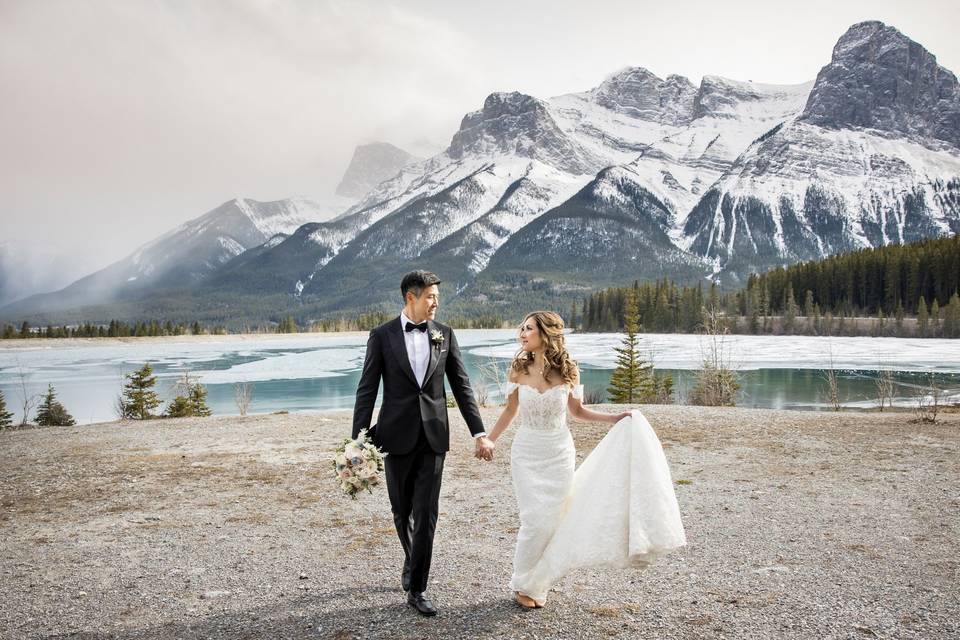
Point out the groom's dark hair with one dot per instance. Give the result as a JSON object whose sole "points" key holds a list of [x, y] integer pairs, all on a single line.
{"points": [[417, 281]]}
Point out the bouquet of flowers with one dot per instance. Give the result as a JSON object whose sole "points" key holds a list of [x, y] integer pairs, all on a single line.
{"points": [[357, 465]]}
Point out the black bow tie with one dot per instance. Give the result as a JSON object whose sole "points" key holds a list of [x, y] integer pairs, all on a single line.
{"points": [[419, 327]]}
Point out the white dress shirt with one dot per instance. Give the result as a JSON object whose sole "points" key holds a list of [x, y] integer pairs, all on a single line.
{"points": [[418, 351], [418, 348]]}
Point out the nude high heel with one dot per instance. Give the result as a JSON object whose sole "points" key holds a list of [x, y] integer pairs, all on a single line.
{"points": [[525, 601]]}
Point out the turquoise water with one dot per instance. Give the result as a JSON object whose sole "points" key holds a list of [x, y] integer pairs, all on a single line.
{"points": [[315, 371]]}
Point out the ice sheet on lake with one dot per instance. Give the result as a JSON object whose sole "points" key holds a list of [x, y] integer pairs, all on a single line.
{"points": [[683, 351], [320, 363]]}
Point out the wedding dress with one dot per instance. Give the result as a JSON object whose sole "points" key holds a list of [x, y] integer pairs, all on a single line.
{"points": [[617, 509]]}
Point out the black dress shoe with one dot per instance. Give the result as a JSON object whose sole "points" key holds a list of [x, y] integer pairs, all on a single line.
{"points": [[419, 601], [405, 578]]}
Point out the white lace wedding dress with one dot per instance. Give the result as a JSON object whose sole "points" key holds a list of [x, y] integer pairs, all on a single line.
{"points": [[618, 509]]}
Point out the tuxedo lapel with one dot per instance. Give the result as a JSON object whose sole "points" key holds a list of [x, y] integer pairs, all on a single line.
{"points": [[400, 349], [434, 351]]}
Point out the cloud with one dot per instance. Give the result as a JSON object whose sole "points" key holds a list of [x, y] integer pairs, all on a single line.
{"points": [[122, 119]]}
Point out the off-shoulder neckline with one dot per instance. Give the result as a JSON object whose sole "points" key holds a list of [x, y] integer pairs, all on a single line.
{"points": [[546, 391]]}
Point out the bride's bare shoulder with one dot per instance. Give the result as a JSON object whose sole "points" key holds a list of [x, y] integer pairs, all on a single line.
{"points": [[512, 376]]}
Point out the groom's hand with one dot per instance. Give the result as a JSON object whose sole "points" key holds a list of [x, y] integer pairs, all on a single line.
{"points": [[484, 447]]}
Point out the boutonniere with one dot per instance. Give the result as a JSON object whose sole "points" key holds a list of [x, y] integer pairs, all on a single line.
{"points": [[436, 337]]}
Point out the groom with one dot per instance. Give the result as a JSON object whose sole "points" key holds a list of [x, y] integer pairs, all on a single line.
{"points": [[411, 354]]}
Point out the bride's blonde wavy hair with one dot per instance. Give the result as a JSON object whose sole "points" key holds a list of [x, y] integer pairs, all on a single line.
{"points": [[556, 357]]}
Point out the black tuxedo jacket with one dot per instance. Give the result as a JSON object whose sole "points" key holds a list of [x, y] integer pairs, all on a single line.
{"points": [[407, 408]]}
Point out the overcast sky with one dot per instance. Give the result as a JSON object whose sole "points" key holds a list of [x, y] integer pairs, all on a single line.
{"points": [[121, 119]]}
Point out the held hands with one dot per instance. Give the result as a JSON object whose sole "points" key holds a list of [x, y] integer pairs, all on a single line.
{"points": [[484, 447]]}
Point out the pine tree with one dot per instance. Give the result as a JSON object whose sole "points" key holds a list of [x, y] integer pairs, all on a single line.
{"points": [[808, 304], [923, 317], [179, 407], [934, 318], [51, 413], [190, 400], [663, 389], [632, 379], [951, 318], [139, 399], [198, 400], [6, 417], [789, 309]]}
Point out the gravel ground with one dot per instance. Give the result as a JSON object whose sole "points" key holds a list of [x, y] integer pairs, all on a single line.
{"points": [[800, 525]]}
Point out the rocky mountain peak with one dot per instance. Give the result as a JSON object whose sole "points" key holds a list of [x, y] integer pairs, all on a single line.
{"points": [[879, 78], [719, 97], [372, 164], [518, 124], [639, 93]]}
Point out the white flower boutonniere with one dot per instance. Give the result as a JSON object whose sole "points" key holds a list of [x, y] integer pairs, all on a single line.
{"points": [[436, 337]]}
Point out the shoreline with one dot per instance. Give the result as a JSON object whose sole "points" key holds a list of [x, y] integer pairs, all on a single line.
{"points": [[12, 343], [949, 413]]}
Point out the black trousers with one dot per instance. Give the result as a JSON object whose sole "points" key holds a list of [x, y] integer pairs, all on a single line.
{"points": [[413, 484]]}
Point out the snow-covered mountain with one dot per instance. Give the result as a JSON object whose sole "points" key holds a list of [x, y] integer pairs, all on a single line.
{"points": [[372, 164], [645, 177], [519, 157], [185, 255], [871, 160]]}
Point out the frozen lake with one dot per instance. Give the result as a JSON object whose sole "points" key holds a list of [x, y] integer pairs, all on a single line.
{"points": [[306, 372]]}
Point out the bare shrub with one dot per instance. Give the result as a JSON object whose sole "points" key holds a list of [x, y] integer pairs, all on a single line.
{"points": [[830, 376], [928, 401], [716, 383], [481, 394], [28, 402], [490, 376], [242, 394], [884, 386]]}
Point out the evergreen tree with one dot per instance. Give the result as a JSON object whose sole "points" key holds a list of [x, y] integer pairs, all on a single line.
{"points": [[789, 309], [879, 327], [754, 310], [934, 318], [190, 400], [198, 400], [6, 417], [808, 304], [951, 318], [632, 378], [51, 413], [139, 399], [663, 389], [923, 317]]}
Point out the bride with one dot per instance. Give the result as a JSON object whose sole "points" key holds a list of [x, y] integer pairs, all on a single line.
{"points": [[618, 509]]}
